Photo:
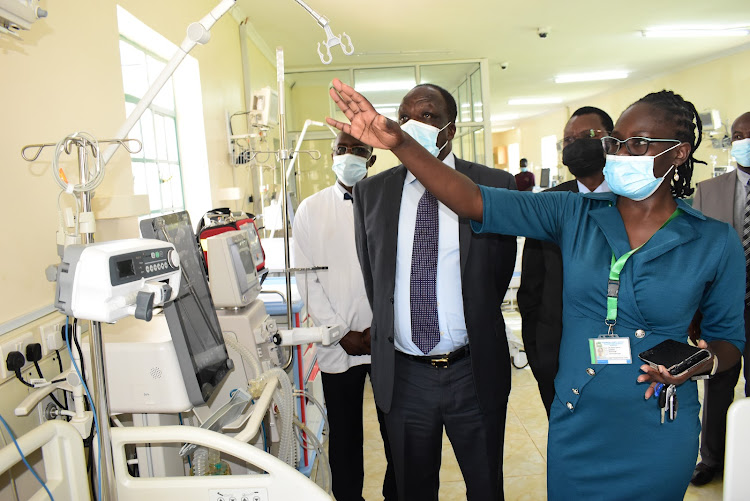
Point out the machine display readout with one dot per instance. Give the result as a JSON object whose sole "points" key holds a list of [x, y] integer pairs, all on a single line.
{"points": [[133, 266]]}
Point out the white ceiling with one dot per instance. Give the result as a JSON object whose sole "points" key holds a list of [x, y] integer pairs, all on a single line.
{"points": [[584, 36]]}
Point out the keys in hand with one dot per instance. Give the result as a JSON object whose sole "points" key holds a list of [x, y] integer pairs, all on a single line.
{"points": [[661, 392], [672, 404], [667, 400]]}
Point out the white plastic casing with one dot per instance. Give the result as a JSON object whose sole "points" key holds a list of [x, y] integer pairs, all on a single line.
{"points": [[94, 296]]}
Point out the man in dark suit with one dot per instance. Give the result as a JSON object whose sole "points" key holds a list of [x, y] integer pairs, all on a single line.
{"points": [[540, 294], [725, 198], [439, 352]]}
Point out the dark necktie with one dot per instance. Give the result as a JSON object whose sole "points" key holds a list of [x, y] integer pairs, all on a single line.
{"points": [[347, 196], [425, 331], [746, 243]]}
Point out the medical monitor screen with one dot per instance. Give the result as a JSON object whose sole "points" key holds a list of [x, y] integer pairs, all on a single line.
{"points": [[255, 245], [242, 247], [544, 181], [192, 317]]}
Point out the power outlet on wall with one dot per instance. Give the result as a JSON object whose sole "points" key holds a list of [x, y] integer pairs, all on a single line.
{"points": [[50, 336], [15, 343]]}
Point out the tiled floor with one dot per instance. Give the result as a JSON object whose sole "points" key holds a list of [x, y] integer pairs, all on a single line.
{"points": [[525, 457]]}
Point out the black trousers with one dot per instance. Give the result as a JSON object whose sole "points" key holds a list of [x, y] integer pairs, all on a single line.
{"points": [[344, 396], [426, 399], [718, 394]]}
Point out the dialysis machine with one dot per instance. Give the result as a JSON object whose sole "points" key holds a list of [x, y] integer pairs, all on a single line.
{"points": [[180, 362], [188, 365]]}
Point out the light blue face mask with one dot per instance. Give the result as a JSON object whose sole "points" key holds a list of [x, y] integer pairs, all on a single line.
{"points": [[349, 168], [425, 134], [741, 152], [633, 176]]}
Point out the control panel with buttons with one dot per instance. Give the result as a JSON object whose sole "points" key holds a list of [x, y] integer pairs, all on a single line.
{"points": [[246, 494]]}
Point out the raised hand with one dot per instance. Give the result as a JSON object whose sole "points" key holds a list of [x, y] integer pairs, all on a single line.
{"points": [[367, 125]]}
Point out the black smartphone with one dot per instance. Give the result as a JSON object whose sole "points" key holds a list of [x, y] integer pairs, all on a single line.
{"points": [[677, 357]]}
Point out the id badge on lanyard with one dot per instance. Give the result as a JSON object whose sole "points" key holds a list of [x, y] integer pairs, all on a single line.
{"points": [[610, 348]]}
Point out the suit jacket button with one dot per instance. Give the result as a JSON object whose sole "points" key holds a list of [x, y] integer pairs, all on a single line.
{"points": [[390, 339], [590, 371], [640, 333], [570, 406], [576, 391], [391, 299]]}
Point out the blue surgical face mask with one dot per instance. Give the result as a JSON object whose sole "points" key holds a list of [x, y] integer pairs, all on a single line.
{"points": [[633, 176], [349, 168], [741, 152], [524, 169], [425, 134]]}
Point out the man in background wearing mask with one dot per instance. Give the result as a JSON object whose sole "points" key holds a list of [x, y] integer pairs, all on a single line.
{"points": [[439, 352], [725, 198], [540, 294], [525, 179], [324, 236]]}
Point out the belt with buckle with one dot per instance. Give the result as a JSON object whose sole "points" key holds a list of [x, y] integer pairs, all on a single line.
{"points": [[439, 361]]}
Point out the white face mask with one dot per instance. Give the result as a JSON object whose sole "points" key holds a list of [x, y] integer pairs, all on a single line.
{"points": [[425, 134], [349, 168], [741, 151], [633, 176]]}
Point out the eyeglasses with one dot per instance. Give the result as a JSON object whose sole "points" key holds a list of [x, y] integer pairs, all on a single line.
{"points": [[360, 151], [586, 134], [636, 146]]}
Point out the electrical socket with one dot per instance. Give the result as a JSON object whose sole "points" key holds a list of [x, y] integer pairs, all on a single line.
{"points": [[15, 343], [50, 336]]}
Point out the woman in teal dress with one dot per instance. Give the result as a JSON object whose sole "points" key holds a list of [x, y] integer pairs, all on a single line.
{"points": [[606, 440]]}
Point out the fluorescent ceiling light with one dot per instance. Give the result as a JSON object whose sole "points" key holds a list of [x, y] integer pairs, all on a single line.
{"points": [[504, 117], [534, 100], [385, 86], [591, 77], [694, 32]]}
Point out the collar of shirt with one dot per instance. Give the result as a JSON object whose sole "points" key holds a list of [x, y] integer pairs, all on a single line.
{"points": [[341, 191], [449, 160], [602, 188], [742, 176]]}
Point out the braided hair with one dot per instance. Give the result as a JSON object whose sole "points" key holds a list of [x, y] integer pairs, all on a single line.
{"points": [[685, 117]]}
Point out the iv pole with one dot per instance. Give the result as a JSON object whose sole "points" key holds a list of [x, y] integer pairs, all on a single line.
{"points": [[197, 33], [284, 157]]}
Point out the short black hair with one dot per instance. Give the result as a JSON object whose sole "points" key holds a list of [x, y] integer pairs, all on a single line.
{"points": [[450, 102], [607, 122], [688, 128]]}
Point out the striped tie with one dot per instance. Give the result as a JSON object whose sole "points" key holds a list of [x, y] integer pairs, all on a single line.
{"points": [[746, 243]]}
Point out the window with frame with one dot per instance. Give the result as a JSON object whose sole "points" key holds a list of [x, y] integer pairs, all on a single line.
{"points": [[156, 168]]}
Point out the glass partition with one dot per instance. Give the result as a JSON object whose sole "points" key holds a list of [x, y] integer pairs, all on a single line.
{"points": [[476, 96], [385, 86]]}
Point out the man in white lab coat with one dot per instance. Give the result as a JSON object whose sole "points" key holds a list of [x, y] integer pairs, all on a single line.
{"points": [[324, 236]]}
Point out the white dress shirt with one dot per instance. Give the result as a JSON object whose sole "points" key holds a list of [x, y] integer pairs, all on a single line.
{"points": [[324, 236], [602, 188], [449, 295]]}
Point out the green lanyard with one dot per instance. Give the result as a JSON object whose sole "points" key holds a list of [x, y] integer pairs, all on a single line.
{"points": [[613, 285]]}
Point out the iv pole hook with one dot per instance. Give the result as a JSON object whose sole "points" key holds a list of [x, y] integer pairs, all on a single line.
{"points": [[332, 40]]}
